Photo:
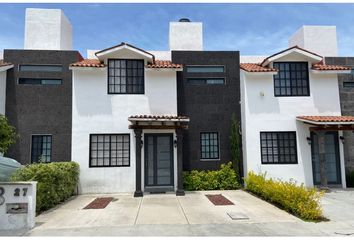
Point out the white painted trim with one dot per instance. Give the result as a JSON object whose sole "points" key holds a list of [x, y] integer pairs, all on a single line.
{"points": [[157, 120], [87, 68], [101, 54], [163, 69], [260, 73], [4, 68], [283, 54]]}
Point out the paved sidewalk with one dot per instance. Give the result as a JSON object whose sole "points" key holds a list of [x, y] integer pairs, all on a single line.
{"points": [[190, 215]]}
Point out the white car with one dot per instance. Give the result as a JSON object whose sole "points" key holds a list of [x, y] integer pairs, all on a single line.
{"points": [[7, 167]]}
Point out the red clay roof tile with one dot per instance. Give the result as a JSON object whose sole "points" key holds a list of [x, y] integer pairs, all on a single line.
{"points": [[159, 117], [163, 64], [327, 118], [322, 67], [88, 63], [255, 67], [3, 64]]}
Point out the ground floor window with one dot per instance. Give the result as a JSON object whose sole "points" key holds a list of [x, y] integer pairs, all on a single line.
{"points": [[209, 143], [278, 147], [41, 150], [109, 150]]}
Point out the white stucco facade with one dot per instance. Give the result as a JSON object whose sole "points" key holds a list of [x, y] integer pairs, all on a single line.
{"points": [[2, 91], [97, 112], [262, 111], [47, 29], [319, 39], [186, 36]]}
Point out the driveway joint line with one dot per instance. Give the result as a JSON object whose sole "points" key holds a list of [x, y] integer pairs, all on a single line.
{"points": [[137, 214], [184, 213]]}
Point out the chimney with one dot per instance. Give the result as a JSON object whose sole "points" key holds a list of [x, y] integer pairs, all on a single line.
{"points": [[318, 39], [47, 29], [186, 35]]}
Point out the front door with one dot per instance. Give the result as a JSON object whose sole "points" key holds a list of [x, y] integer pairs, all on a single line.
{"points": [[332, 158], [158, 162]]}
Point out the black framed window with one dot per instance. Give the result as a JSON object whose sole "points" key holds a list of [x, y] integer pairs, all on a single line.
{"points": [[39, 81], [109, 150], [202, 81], [205, 69], [348, 84], [209, 145], [278, 147], [292, 79], [41, 150], [125, 76], [40, 68]]}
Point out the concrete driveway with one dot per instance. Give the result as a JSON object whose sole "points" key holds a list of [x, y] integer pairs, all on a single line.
{"points": [[191, 215]]}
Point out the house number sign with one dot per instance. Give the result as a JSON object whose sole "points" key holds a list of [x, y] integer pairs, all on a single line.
{"points": [[17, 193]]}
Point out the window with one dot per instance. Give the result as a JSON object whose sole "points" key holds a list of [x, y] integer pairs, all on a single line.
{"points": [[209, 142], [292, 79], [205, 69], [109, 150], [40, 68], [41, 150], [125, 76], [202, 81], [348, 84], [39, 81], [278, 148]]}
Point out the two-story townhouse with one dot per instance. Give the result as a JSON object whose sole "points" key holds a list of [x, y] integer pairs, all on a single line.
{"points": [[126, 132], [291, 118]]}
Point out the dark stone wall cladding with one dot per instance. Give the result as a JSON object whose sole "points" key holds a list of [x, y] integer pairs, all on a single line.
{"points": [[347, 104], [209, 107], [40, 109]]}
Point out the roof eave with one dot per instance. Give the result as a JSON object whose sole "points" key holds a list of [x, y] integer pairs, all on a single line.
{"points": [[6, 67], [270, 73], [316, 71], [324, 123]]}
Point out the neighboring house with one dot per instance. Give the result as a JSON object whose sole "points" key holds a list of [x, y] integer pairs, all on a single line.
{"points": [[346, 93], [39, 89], [126, 132], [38, 104], [4, 66], [291, 118]]}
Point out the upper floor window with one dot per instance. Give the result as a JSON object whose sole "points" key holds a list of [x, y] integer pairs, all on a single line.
{"points": [[292, 79], [205, 69], [125, 76], [40, 68], [39, 81], [200, 81]]}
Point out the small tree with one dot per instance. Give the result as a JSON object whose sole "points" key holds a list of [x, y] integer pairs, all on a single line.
{"points": [[235, 143], [7, 134]]}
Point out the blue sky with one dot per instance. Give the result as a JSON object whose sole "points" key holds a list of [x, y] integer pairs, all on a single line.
{"points": [[254, 29]]}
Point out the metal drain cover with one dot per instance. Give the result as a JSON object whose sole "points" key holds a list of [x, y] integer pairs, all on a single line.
{"points": [[237, 216]]}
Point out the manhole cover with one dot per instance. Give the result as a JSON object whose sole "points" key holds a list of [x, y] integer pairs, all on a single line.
{"points": [[237, 216]]}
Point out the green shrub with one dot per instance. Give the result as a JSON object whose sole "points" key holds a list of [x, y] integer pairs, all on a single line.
{"points": [[7, 134], [350, 178], [223, 179], [296, 199], [56, 181]]}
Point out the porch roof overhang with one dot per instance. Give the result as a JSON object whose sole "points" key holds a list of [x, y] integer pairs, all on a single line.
{"points": [[158, 122], [328, 123]]}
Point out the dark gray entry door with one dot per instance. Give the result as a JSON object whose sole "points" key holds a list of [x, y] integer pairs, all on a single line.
{"points": [[332, 158], [158, 161]]}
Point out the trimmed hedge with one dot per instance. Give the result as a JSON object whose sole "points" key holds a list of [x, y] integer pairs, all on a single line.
{"points": [[298, 200], [57, 181], [224, 179], [350, 178]]}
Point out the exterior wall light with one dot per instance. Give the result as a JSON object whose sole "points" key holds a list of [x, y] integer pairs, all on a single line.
{"points": [[308, 140], [141, 143], [342, 139], [175, 143]]}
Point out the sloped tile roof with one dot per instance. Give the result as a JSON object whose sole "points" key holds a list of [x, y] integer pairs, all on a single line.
{"points": [[322, 67], [97, 64], [89, 63], [333, 119], [163, 64], [159, 117], [255, 67]]}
